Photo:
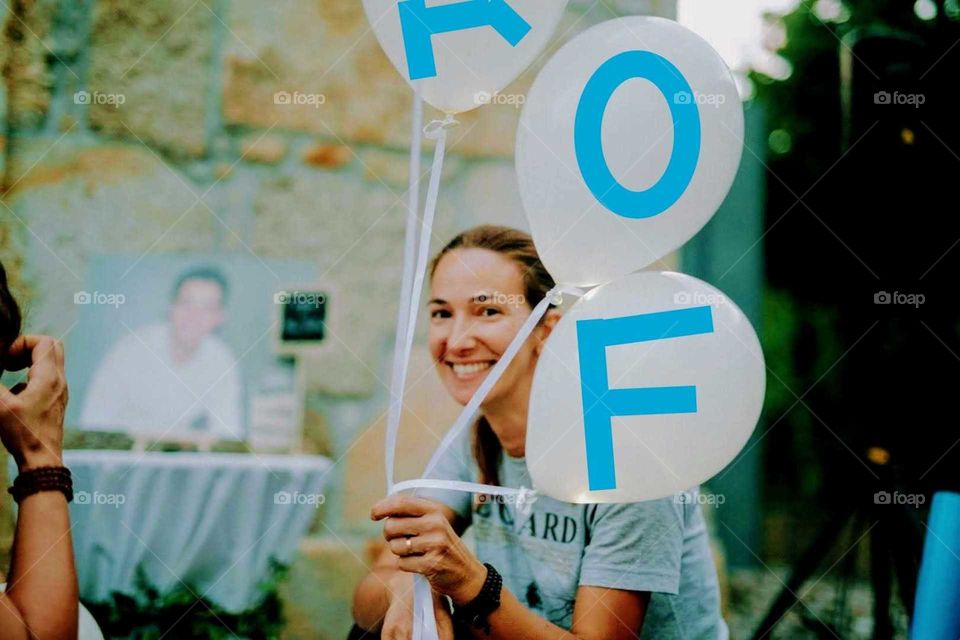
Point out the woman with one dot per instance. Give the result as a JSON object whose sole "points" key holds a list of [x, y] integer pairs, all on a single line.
{"points": [[41, 597], [597, 572]]}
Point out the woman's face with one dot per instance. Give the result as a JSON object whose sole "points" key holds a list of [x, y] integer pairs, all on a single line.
{"points": [[477, 305]]}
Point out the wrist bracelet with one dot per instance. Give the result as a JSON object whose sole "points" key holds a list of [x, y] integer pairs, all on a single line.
{"points": [[476, 612], [42, 479]]}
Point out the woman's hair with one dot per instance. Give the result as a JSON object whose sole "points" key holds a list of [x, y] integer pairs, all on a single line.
{"points": [[9, 316], [518, 246]]}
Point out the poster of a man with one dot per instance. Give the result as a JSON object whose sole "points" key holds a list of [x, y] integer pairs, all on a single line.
{"points": [[177, 375]]}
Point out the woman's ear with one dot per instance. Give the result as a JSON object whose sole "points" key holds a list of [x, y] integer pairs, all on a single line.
{"points": [[545, 328]]}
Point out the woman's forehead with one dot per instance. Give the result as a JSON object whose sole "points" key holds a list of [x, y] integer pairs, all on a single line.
{"points": [[464, 273]]}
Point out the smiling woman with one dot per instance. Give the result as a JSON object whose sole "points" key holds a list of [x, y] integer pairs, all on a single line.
{"points": [[591, 572]]}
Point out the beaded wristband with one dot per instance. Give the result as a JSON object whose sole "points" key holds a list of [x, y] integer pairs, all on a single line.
{"points": [[42, 479]]}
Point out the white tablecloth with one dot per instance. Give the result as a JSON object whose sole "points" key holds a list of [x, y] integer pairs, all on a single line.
{"points": [[210, 520]]}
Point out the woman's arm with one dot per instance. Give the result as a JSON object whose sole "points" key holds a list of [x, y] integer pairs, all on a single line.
{"points": [[383, 601], [599, 614], [436, 551], [41, 599]]}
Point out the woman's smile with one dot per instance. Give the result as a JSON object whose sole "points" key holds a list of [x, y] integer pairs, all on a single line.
{"points": [[468, 371]]}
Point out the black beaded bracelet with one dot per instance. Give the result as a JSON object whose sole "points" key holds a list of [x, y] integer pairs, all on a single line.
{"points": [[42, 479]]}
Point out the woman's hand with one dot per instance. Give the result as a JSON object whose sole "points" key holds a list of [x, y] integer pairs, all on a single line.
{"points": [[31, 413], [420, 535], [398, 622]]}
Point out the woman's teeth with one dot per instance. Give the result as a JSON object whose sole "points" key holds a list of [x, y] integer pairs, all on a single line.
{"points": [[467, 370]]}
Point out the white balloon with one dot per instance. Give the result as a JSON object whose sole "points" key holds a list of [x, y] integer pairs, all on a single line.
{"points": [[696, 338], [470, 65], [610, 187]]}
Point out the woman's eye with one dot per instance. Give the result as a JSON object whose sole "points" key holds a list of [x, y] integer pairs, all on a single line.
{"points": [[439, 313], [490, 311]]}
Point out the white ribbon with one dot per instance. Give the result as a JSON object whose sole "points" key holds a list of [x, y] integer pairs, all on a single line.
{"points": [[411, 287]]}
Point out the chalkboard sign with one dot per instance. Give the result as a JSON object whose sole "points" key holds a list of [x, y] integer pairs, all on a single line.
{"points": [[303, 317]]}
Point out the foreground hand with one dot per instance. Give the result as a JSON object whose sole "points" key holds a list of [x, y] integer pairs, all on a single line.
{"points": [[398, 622], [31, 413], [434, 550]]}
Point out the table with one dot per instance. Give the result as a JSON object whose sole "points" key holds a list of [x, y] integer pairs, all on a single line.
{"points": [[212, 521]]}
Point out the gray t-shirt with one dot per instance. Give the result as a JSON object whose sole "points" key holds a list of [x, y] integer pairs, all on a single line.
{"points": [[660, 546]]}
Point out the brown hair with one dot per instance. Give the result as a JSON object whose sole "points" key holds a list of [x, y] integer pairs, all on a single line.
{"points": [[10, 319], [518, 246]]}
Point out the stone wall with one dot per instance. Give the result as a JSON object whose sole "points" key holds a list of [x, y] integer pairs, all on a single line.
{"points": [[152, 128]]}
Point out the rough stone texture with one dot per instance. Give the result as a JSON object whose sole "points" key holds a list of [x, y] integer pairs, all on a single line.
{"points": [[156, 55], [76, 200], [326, 49], [353, 230], [267, 149], [28, 78]]}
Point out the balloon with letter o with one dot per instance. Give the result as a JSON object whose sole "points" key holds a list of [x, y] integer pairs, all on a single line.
{"points": [[629, 141]]}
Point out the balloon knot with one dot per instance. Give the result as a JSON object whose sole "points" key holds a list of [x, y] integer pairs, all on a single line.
{"points": [[436, 128]]}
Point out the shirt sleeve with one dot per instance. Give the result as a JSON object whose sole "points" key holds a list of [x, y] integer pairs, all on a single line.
{"points": [[456, 463], [635, 547]]}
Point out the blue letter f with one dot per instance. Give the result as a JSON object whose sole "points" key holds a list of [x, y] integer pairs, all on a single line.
{"points": [[419, 23], [601, 403]]}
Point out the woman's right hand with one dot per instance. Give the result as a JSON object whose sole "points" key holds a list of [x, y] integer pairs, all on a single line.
{"points": [[398, 621], [31, 413]]}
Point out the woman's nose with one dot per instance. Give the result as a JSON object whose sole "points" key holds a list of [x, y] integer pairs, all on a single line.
{"points": [[462, 336]]}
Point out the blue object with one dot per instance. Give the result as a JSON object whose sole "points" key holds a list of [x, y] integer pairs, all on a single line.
{"points": [[936, 614], [601, 403], [420, 23], [588, 141]]}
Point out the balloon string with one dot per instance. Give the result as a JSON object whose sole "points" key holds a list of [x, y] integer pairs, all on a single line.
{"points": [[423, 594], [466, 416], [401, 354]]}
